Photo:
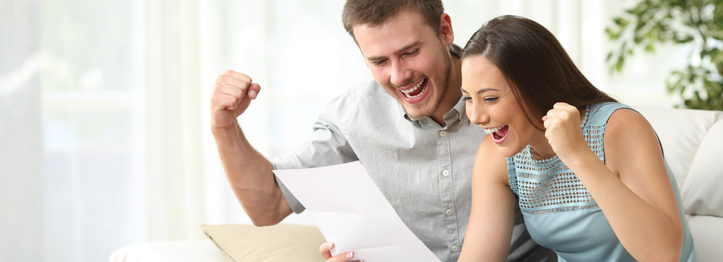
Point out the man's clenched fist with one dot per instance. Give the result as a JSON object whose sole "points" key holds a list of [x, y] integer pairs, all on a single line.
{"points": [[232, 94]]}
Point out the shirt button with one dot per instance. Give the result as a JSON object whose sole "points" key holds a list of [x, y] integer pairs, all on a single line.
{"points": [[455, 248], [445, 173], [442, 133], [448, 212]]}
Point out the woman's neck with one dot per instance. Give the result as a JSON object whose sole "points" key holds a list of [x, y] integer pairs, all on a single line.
{"points": [[539, 147]]}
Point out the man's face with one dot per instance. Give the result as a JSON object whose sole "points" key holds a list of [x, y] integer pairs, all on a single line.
{"points": [[409, 59]]}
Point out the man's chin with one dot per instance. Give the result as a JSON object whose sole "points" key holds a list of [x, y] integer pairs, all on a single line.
{"points": [[417, 114]]}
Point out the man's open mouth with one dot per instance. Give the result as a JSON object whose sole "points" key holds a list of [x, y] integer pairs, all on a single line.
{"points": [[415, 93]]}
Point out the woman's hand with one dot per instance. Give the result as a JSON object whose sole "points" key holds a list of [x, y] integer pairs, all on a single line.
{"points": [[563, 131], [325, 250]]}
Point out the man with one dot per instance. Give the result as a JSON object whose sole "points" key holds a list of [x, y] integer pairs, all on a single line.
{"points": [[408, 128]]}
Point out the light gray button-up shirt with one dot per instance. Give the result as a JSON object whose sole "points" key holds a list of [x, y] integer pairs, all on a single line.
{"points": [[423, 169]]}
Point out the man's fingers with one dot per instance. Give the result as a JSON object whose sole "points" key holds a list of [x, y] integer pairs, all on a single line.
{"points": [[253, 90], [236, 75], [224, 92], [231, 97], [229, 90], [225, 96], [225, 102], [234, 82]]}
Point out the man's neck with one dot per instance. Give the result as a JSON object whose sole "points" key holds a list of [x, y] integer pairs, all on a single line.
{"points": [[452, 92]]}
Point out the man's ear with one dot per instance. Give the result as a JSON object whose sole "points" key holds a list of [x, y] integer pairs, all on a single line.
{"points": [[445, 29]]}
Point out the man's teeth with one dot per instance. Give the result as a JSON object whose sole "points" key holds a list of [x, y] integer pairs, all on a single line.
{"points": [[492, 130], [411, 90]]}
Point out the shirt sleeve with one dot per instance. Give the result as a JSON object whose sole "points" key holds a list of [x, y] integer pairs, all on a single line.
{"points": [[328, 146]]}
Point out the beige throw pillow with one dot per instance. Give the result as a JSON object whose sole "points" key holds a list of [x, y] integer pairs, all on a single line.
{"points": [[282, 242]]}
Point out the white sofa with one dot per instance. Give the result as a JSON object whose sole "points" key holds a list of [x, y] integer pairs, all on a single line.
{"points": [[693, 146]]}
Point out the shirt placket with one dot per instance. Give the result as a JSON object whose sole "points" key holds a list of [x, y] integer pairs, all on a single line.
{"points": [[448, 209]]}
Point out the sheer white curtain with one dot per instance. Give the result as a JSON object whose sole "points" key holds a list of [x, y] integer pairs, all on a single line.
{"points": [[68, 155], [101, 126], [104, 120]]}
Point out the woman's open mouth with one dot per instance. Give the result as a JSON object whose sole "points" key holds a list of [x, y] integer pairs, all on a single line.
{"points": [[499, 134]]}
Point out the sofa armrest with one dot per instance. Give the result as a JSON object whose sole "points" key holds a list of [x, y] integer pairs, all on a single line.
{"points": [[176, 251]]}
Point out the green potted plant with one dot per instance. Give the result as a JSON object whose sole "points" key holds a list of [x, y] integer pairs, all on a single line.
{"points": [[694, 23]]}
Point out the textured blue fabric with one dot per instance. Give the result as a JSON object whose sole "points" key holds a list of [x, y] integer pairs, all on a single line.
{"points": [[560, 213]]}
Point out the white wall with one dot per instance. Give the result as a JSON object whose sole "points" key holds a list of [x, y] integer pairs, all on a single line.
{"points": [[21, 191]]}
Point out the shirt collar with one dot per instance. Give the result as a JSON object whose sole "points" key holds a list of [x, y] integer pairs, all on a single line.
{"points": [[457, 113]]}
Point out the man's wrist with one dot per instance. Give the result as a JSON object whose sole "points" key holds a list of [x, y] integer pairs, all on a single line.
{"points": [[220, 132]]}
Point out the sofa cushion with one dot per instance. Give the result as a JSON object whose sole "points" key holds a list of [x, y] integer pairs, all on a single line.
{"points": [[682, 137], [702, 194], [278, 243], [706, 231]]}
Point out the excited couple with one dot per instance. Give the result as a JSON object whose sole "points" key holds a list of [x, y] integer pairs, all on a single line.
{"points": [[563, 164]]}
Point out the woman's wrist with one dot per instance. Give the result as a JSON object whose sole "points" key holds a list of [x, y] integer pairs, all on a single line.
{"points": [[578, 159]]}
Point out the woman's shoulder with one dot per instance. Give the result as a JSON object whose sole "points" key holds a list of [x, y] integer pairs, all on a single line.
{"points": [[629, 124], [614, 116], [599, 114], [490, 162], [627, 135]]}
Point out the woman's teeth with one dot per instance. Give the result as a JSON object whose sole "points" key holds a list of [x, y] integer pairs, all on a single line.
{"points": [[492, 130]]}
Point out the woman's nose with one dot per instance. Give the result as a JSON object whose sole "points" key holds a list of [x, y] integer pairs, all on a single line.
{"points": [[476, 115]]}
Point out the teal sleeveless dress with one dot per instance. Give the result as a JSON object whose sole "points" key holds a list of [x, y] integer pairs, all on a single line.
{"points": [[560, 213]]}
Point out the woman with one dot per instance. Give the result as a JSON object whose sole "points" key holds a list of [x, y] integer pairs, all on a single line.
{"points": [[587, 173]]}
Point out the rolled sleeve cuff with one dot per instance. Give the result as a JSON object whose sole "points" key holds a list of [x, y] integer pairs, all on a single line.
{"points": [[294, 203]]}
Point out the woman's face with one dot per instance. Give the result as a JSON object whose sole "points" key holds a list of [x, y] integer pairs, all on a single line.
{"points": [[491, 104]]}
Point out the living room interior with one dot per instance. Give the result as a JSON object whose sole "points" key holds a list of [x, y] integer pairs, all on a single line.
{"points": [[104, 115]]}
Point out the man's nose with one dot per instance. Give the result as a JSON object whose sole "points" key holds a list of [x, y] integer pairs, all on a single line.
{"points": [[400, 74]]}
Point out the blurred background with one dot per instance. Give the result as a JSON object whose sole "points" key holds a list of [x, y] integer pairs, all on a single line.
{"points": [[104, 104]]}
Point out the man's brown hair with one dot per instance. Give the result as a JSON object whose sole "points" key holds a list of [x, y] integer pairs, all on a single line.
{"points": [[375, 12]]}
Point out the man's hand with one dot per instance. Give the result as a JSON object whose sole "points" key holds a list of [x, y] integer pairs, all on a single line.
{"points": [[325, 250], [232, 94]]}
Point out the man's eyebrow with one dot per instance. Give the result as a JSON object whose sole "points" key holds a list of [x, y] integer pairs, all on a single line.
{"points": [[401, 50], [404, 49]]}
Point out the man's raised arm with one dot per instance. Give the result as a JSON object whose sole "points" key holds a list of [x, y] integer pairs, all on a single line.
{"points": [[249, 173]]}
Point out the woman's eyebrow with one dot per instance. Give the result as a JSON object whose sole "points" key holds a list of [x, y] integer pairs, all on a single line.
{"points": [[481, 90]]}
